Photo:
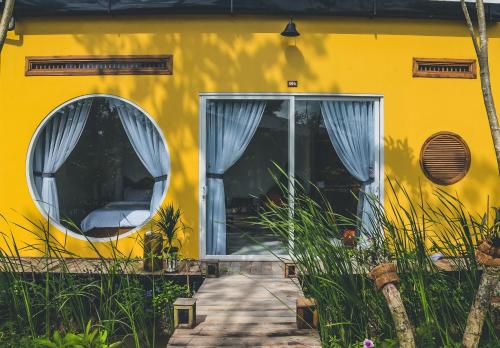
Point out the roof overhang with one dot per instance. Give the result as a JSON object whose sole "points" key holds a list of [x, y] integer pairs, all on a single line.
{"points": [[440, 9]]}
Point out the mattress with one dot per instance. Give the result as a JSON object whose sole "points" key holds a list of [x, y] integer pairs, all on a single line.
{"points": [[117, 214]]}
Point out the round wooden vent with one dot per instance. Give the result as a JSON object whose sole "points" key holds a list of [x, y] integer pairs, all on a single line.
{"points": [[445, 158]]}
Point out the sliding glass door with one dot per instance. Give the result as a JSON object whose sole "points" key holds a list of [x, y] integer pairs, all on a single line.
{"points": [[252, 144]]}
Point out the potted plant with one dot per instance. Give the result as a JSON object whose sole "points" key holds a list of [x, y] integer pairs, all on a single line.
{"points": [[168, 223], [349, 238], [490, 247]]}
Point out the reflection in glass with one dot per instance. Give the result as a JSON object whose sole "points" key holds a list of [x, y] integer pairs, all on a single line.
{"points": [[316, 162], [102, 187], [249, 184]]}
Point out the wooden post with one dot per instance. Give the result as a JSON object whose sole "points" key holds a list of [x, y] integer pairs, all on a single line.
{"points": [[307, 314], [488, 256], [385, 278], [291, 270], [212, 268], [185, 313]]}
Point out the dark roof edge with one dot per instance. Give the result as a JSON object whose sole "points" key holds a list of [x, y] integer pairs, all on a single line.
{"points": [[357, 8]]}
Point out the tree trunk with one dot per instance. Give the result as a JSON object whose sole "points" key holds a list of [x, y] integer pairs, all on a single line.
{"points": [[477, 314], [484, 68], [4, 21], [481, 47]]}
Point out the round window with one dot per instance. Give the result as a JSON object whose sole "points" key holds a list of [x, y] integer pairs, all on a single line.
{"points": [[98, 167]]}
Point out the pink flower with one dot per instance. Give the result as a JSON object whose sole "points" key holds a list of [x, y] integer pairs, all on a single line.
{"points": [[368, 343]]}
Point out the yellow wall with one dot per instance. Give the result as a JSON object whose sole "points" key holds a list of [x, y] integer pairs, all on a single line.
{"points": [[247, 54]]}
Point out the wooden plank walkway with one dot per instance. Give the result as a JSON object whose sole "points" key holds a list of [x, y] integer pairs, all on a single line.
{"points": [[246, 311]]}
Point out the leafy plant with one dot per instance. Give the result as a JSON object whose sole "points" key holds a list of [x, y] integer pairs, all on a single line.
{"points": [[404, 231], [88, 339], [165, 295], [168, 222], [57, 299]]}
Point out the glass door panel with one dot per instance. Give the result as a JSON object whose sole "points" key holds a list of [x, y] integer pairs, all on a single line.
{"points": [[248, 182], [317, 163]]}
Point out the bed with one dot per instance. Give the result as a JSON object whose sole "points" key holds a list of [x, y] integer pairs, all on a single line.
{"points": [[119, 216]]}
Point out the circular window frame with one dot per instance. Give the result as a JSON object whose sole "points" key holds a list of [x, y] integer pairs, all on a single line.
{"points": [[455, 179], [31, 181]]}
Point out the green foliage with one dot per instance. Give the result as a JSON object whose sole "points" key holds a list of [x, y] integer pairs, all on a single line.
{"points": [[88, 339], [42, 304], [165, 295], [10, 338], [405, 232], [168, 222]]}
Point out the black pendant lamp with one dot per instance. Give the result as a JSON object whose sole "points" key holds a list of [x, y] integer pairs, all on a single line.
{"points": [[290, 30]]}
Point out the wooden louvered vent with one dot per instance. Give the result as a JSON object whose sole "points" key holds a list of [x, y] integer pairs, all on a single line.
{"points": [[445, 158], [456, 68], [99, 65]]}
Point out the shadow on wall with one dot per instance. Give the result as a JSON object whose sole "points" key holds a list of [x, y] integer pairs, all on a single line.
{"points": [[402, 164], [212, 55], [203, 62]]}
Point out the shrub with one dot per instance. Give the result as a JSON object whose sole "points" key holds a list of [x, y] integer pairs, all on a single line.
{"points": [[407, 232]]}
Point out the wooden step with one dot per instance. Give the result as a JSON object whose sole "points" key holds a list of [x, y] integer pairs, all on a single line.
{"points": [[244, 341], [256, 313]]}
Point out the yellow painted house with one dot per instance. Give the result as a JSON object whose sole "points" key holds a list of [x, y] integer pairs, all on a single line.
{"points": [[110, 109]]}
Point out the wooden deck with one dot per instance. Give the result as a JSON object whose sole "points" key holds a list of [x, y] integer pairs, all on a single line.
{"points": [[246, 311], [91, 266]]}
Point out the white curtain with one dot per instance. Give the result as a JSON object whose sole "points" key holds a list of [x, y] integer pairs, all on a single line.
{"points": [[230, 127], [350, 126], [148, 145], [54, 146]]}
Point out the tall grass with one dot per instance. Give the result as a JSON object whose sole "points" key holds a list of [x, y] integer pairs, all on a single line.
{"points": [[56, 298], [407, 232]]}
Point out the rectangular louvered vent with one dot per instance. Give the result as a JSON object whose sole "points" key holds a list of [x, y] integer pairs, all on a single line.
{"points": [[454, 68], [99, 65]]}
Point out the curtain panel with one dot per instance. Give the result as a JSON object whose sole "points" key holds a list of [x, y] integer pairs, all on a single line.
{"points": [[231, 126], [350, 127], [148, 145], [58, 140]]}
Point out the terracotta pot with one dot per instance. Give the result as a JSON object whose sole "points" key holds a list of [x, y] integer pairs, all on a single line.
{"points": [[384, 274], [488, 248], [349, 237], [487, 254]]}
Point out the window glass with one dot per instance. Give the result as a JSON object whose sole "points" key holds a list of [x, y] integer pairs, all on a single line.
{"points": [[317, 163], [96, 170], [249, 183]]}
